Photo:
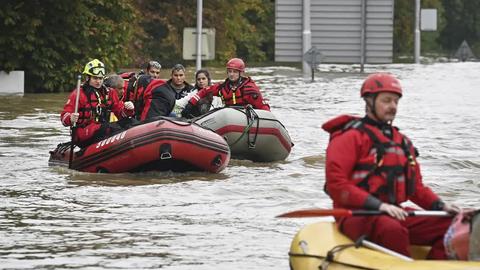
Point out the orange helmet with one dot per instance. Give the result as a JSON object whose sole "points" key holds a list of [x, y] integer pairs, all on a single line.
{"points": [[380, 82], [237, 64]]}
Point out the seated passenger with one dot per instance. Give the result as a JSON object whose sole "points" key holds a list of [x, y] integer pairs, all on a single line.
{"points": [[236, 90], [202, 80], [152, 98], [153, 69], [176, 85]]}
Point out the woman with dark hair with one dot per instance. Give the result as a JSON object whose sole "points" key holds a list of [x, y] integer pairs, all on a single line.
{"points": [[202, 80]]}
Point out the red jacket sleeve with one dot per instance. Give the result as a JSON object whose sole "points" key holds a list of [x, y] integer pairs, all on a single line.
{"points": [[204, 92], [118, 107], [343, 152], [253, 96], [69, 107]]}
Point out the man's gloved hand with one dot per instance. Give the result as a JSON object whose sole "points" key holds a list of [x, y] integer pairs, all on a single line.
{"points": [[129, 105], [74, 117], [189, 111]]}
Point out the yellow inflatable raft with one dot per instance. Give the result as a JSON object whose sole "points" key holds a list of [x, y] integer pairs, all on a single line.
{"points": [[310, 247]]}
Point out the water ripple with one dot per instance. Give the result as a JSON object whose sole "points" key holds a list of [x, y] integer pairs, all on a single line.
{"points": [[55, 218]]}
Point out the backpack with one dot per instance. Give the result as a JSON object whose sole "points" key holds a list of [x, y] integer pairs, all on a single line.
{"points": [[462, 239]]}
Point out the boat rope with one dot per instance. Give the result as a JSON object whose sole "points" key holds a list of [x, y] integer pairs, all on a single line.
{"points": [[173, 121], [252, 117], [337, 262]]}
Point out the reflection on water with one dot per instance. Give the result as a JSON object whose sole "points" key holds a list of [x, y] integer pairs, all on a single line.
{"points": [[54, 218], [144, 178]]}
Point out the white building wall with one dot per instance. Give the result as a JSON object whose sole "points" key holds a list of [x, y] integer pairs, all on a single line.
{"points": [[336, 30]]}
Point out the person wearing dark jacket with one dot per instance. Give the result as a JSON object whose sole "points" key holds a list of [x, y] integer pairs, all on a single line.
{"points": [[153, 69], [151, 98], [158, 99], [176, 86], [155, 97], [177, 83]]}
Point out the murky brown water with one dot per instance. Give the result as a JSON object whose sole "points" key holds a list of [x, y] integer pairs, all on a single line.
{"points": [[53, 218]]}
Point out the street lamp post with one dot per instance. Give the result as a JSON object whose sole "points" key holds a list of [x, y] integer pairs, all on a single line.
{"points": [[417, 31], [199, 34]]}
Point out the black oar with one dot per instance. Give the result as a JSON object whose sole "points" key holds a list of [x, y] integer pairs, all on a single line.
{"points": [[340, 212], [74, 124]]}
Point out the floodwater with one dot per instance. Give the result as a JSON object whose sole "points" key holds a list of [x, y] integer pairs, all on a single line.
{"points": [[54, 218]]}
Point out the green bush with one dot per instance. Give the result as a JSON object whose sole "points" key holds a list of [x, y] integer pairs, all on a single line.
{"points": [[52, 40]]}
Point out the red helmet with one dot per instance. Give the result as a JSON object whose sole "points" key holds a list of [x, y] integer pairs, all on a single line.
{"points": [[380, 82], [237, 64]]}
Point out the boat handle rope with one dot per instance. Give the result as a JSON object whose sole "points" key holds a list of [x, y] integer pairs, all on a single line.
{"points": [[330, 258], [331, 254], [325, 267], [251, 117], [160, 120]]}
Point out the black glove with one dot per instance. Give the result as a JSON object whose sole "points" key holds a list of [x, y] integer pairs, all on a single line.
{"points": [[189, 111]]}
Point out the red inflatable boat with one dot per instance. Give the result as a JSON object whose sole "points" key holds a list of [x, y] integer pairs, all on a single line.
{"points": [[156, 146]]}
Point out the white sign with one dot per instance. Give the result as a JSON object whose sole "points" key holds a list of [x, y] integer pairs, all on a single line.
{"points": [[13, 82], [190, 43], [428, 20]]}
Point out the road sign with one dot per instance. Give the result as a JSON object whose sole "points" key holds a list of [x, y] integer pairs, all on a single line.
{"points": [[190, 43], [313, 57], [428, 19], [464, 52]]}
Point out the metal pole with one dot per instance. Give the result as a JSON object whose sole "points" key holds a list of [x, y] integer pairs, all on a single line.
{"points": [[363, 35], [199, 33], [74, 124], [417, 31], [306, 35]]}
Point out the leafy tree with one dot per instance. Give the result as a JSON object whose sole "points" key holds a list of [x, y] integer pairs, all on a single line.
{"points": [[250, 27], [404, 25], [462, 23], [429, 42], [244, 28], [404, 20], [52, 40], [163, 22]]}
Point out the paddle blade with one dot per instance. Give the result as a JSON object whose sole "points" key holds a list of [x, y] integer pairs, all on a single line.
{"points": [[317, 213]]}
